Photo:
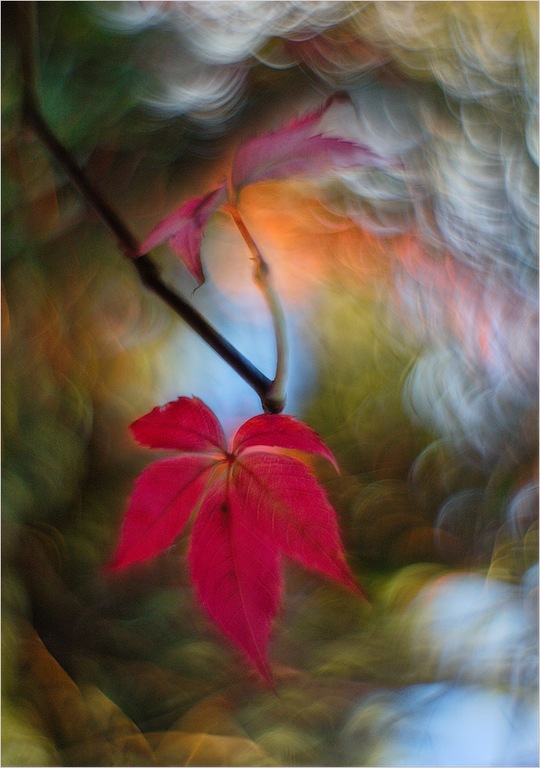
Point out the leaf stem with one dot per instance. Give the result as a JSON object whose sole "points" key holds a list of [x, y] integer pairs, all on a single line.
{"points": [[147, 270], [263, 280]]}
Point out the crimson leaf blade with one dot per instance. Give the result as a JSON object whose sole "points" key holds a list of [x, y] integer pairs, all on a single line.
{"points": [[280, 431], [251, 503], [290, 507], [235, 571], [186, 424], [164, 496]]}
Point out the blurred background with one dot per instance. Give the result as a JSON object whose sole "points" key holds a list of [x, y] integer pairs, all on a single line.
{"points": [[411, 297]]}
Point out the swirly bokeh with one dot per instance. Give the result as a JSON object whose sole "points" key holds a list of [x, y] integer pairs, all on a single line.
{"points": [[411, 297]]}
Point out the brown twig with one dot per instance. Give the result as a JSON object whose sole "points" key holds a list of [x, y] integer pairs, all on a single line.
{"points": [[272, 401]]}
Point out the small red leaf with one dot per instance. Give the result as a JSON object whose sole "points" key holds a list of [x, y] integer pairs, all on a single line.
{"points": [[280, 431], [165, 495], [291, 508], [235, 570], [183, 229], [298, 149], [186, 424]]}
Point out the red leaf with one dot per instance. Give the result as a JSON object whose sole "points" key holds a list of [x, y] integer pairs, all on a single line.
{"points": [[186, 424], [165, 495], [297, 149], [291, 508], [235, 570], [280, 430], [252, 503], [183, 229]]}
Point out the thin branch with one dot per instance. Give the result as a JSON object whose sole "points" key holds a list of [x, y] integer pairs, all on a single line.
{"points": [[264, 281], [258, 381], [147, 270], [126, 241]]}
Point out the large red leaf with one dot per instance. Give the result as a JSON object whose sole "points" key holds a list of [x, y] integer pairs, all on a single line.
{"points": [[186, 424], [290, 507], [165, 495], [280, 431], [252, 503], [235, 570]]}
